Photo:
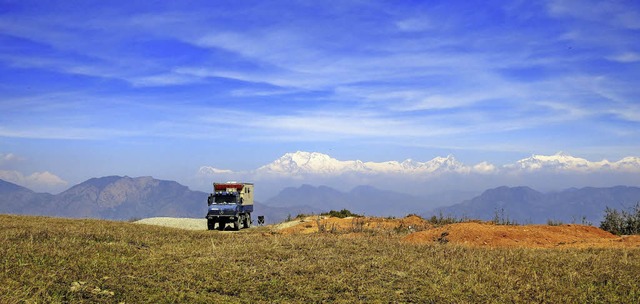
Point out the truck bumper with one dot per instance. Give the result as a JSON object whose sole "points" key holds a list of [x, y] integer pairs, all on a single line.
{"points": [[218, 217]]}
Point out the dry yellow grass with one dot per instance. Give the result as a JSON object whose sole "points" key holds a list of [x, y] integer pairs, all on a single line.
{"points": [[75, 261], [371, 225]]}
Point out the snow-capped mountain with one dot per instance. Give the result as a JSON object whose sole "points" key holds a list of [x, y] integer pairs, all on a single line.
{"points": [[564, 162], [302, 163], [311, 162], [206, 170], [558, 161], [630, 164], [317, 163], [438, 164]]}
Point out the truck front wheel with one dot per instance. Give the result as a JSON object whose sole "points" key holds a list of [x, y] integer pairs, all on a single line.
{"points": [[211, 224]]}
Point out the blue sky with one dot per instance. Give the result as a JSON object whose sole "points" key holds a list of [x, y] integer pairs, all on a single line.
{"points": [[94, 88]]}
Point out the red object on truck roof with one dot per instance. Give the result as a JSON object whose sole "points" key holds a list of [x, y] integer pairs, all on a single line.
{"points": [[224, 187]]}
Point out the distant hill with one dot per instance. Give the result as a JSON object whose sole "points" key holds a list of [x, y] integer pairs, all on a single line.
{"points": [[116, 197], [362, 199], [20, 200], [526, 205], [120, 198]]}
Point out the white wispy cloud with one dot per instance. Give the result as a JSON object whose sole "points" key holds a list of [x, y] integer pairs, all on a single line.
{"points": [[8, 158], [72, 133], [37, 181], [415, 24], [626, 57], [610, 12], [164, 79]]}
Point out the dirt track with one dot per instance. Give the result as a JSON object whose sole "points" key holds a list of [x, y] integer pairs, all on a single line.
{"points": [[175, 222]]}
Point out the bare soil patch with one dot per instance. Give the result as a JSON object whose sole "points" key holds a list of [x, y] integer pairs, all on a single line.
{"points": [[529, 236]]}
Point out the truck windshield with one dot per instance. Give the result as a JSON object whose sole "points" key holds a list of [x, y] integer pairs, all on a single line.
{"points": [[225, 199]]}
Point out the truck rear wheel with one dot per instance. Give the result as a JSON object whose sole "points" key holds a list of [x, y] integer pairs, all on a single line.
{"points": [[247, 220], [221, 225], [238, 222]]}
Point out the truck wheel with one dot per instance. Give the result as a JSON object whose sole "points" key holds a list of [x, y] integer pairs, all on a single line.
{"points": [[247, 220], [221, 225], [238, 222], [211, 224]]}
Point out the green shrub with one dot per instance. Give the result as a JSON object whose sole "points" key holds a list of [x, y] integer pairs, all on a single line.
{"points": [[500, 218], [341, 214], [442, 220], [551, 222]]}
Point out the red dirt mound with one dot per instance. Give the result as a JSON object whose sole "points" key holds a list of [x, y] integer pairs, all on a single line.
{"points": [[529, 236]]}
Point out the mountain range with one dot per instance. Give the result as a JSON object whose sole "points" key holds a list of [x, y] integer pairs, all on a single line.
{"points": [[111, 197], [362, 200], [123, 198], [315, 163], [526, 205]]}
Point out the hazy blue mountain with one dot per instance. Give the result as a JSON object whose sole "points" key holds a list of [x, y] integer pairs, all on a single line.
{"points": [[526, 205], [322, 197], [20, 200], [115, 197], [362, 199], [279, 214]]}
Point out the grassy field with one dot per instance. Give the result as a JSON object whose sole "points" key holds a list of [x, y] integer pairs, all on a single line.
{"points": [[73, 261]]}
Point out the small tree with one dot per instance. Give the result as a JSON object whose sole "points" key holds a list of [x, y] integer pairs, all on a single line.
{"points": [[612, 222], [632, 224]]}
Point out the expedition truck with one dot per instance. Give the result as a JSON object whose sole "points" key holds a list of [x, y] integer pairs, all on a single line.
{"points": [[230, 202]]}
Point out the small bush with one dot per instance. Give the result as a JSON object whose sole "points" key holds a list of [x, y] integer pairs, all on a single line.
{"points": [[622, 222], [500, 218], [341, 214], [302, 216], [551, 222], [441, 220]]}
